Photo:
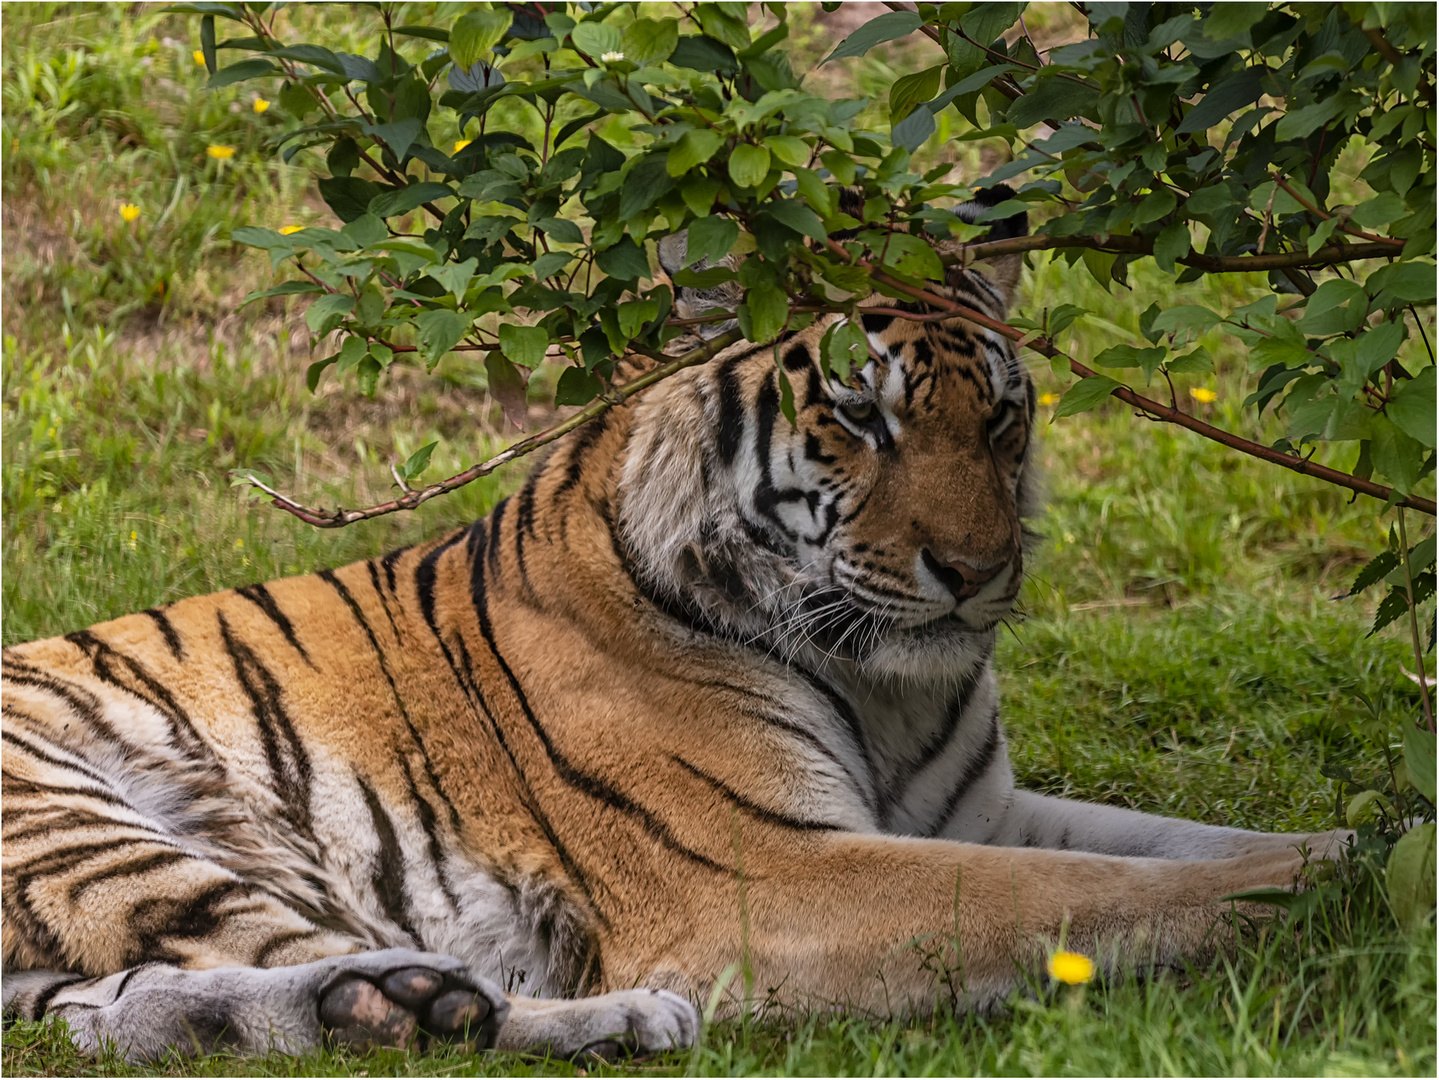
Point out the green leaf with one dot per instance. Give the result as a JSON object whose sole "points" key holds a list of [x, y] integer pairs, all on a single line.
{"points": [[1419, 756], [439, 331], [561, 229], [914, 129], [524, 345], [327, 313], [594, 39], [704, 53], [1127, 356], [763, 314], [643, 185], [1052, 99], [797, 216], [625, 260], [1195, 362], [577, 386], [843, 347], [1085, 395], [1325, 313], [695, 147], [507, 385], [887, 27], [1409, 877], [910, 90], [348, 196], [1156, 205], [289, 288], [314, 372], [633, 315], [913, 257], [1402, 283], [399, 136], [748, 165], [1365, 806], [475, 33], [1171, 244], [1234, 93], [245, 69], [455, 277], [1412, 407], [416, 463], [1374, 571], [709, 238], [788, 148], [704, 279], [1186, 318], [1395, 454], [650, 41], [403, 200], [365, 230], [1379, 211], [351, 353], [840, 165], [550, 264]]}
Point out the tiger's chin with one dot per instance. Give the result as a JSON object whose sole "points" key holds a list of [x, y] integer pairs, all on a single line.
{"points": [[942, 651]]}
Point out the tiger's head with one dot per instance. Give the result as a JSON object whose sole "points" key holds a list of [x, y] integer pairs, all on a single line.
{"points": [[882, 528]]}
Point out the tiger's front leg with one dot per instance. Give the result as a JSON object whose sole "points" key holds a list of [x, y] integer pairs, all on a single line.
{"points": [[1042, 821], [851, 919]]}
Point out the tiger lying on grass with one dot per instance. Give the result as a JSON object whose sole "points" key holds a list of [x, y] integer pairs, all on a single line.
{"points": [[702, 651]]}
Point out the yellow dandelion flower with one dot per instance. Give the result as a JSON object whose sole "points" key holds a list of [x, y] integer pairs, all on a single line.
{"points": [[219, 152], [129, 211], [240, 543], [199, 58], [288, 229], [134, 536], [259, 105], [461, 144], [1048, 399], [1071, 967], [1203, 394]]}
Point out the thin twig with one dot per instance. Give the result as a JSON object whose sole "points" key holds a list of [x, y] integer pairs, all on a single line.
{"points": [[1141, 245], [339, 517]]}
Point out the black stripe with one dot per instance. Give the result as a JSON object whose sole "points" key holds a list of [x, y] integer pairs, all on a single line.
{"points": [[851, 720], [770, 817], [196, 919], [276, 942], [41, 1002], [380, 592], [589, 785], [388, 876], [101, 656], [261, 598], [167, 629], [973, 770], [328, 576], [497, 517], [289, 763], [731, 410], [85, 704], [580, 444], [16, 785], [474, 697], [388, 563], [429, 824], [79, 765], [134, 867], [525, 521]]}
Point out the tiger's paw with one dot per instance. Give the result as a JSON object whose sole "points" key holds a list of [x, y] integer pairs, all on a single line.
{"points": [[400, 998], [609, 1026]]}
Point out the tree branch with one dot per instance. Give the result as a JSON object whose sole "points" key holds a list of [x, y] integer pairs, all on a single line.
{"points": [[1213, 264], [339, 517]]}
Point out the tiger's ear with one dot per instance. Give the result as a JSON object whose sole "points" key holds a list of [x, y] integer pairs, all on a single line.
{"points": [[1004, 270]]}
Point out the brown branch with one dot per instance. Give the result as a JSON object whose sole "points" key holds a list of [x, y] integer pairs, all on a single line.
{"points": [[1045, 347], [1139, 245], [1280, 182], [338, 518]]}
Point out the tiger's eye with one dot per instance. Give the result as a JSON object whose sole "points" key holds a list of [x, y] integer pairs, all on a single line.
{"points": [[859, 411]]}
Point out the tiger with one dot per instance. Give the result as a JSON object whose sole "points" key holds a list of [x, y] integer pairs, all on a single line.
{"points": [[713, 685]]}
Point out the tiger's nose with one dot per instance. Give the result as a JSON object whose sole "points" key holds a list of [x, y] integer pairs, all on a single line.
{"points": [[959, 578]]}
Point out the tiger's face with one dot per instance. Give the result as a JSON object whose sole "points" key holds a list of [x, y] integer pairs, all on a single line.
{"points": [[882, 527]]}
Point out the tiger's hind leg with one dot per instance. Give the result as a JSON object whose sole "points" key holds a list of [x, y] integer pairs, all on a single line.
{"points": [[159, 944], [388, 997]]}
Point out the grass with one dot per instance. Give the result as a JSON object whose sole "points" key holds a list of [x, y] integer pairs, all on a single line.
{"points": [[1180, 651]]}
